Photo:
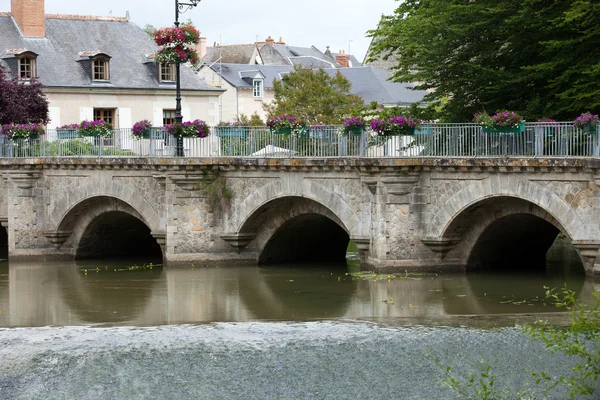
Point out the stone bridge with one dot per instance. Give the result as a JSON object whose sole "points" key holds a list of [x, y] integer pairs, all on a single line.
{"points": [[427, 214]]}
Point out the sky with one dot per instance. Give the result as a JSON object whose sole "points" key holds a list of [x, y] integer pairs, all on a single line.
{"points": [[340, 24]]}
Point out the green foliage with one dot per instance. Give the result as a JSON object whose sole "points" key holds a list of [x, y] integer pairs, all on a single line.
{"points": [[215, 187], [252, 120], [313, 96], [537, 57], [149, 29]]}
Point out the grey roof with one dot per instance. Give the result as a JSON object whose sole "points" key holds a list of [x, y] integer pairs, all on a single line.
{"points": [[371, 85], [59, 63], [311, 62], [270, 56], [353, 60], [235, 73], [366, 82], [234, 54]]}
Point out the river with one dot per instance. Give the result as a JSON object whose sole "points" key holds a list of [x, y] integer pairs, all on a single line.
{"points": [[116, 330]]}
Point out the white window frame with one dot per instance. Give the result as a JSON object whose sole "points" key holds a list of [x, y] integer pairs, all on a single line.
{"points": [[258, 88]]}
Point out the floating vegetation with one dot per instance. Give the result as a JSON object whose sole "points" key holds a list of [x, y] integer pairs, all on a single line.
{"points": [[372, 276], [132, 268]]}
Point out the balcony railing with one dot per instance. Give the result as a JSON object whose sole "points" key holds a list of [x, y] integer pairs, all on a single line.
{"points": [[431, 140]]}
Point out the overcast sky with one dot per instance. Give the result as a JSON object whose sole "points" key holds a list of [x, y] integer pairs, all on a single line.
{"points": [[340, 24]]}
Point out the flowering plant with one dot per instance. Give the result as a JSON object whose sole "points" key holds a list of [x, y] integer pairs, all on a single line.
{"points": [[174, 42], [504, 119], [190, 129], [586, 120], [185, 34], [21, 131], [177, 54], [398, 125], [95, 128], [69, 126], [284, 122], [353, 123], [140, 127], [235, 123]]}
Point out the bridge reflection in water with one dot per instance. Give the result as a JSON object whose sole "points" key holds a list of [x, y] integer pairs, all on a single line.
{"points": [[39, 294]]}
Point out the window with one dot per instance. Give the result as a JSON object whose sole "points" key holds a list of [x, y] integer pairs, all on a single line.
{"points": [[106, 114], [26, 68], [100, 69], [168, 117], [167, 72], [258, 87]]}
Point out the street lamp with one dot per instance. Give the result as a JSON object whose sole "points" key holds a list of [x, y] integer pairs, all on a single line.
{"points": [[180, 8]]}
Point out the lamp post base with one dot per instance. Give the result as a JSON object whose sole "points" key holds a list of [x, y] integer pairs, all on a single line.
{"points": [[179, 147]]}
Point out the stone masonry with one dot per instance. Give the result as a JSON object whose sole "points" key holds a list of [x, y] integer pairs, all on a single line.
{"points": [[424, 214]]}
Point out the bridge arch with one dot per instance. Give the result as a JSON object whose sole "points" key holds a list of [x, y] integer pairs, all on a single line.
{"points": [[454, 207], [69, 200], [102, 226], [297, 223], [511, 228]]}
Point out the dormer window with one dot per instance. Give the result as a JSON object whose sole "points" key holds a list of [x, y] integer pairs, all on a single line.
{"points": [[101, 69], [167, 72], [258, 86], [25, 63]]}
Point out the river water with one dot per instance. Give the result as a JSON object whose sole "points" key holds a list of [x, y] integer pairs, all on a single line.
{"points": [[113, 330]]}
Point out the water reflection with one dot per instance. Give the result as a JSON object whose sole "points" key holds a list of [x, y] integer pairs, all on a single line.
{"points": [[37, 294]]}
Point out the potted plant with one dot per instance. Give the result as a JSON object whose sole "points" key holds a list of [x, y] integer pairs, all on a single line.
{"points": [[95, 128], [177, 45], [354, 126], [22, 131], [587, 122], [231, 129], [68, 131], [397, 125], [502, 122], [141, 129], [284, 125], [189, 129]]}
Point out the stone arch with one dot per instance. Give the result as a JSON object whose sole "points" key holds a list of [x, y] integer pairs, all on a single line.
{"points": [[348, 218], [68, 201], [501, 186]]}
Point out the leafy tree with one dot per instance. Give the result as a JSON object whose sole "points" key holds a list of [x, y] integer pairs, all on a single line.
{"points": [[149, 29], [537, 57], [315, 97], [253, 120], [21, 102]]}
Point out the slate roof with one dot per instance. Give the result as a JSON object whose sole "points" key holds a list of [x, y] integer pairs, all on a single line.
{"points": [[353, 60], [371, 85], [234, 54], [235, 73], [59, 63], [311, 62], [271, 56], [366, 82]]}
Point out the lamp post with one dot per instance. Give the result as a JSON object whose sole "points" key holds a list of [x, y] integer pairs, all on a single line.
{"points": [[180, 7]]}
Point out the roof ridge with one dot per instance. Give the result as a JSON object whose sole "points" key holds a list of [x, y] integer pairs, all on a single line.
{"points": [[4, 14], [86, 17]]}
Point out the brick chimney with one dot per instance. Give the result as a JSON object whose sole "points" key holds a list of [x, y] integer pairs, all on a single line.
{"points": [[343, 59], [270, 41], [280, 40], [29, 15]]}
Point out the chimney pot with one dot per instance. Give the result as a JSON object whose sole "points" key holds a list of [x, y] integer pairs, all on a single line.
{"points": [[270, 41]]}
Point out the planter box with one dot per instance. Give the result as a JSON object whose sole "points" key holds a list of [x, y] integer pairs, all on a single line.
{"points": [[355, 131], [96, 134], [424, 130], [519, 129], [281, 131], [405, 131], [231, 131], [67, 133], [589, 129]]}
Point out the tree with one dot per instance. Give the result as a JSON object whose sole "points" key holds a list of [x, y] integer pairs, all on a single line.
{"points": [[21, 102], [486, 54], [315, 97], [149, 29]]}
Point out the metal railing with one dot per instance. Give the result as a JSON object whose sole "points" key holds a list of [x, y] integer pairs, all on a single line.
{"points": [[430, 140]]}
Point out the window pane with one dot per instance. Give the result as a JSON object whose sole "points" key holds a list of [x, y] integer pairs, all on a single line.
{"points": [[100, 70], [167, 72], [26, 68], [168, 117]]}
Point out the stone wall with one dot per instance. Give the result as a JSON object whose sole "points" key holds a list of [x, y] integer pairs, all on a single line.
{"points": [[401, 213]]}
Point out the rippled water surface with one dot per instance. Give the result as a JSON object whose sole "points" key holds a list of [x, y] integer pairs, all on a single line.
{"points": [[99, 330]]}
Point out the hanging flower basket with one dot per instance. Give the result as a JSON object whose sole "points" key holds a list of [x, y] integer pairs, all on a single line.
{"points": [[285, 125], [505, 129], [21, 131], [186, 34], [141, 129], [231, 129], [354, 126], [69, 131], [189, 129], [95, 128], [502, 122]]}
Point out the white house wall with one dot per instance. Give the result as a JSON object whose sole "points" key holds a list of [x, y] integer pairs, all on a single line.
{"points": [[73, 107]]}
